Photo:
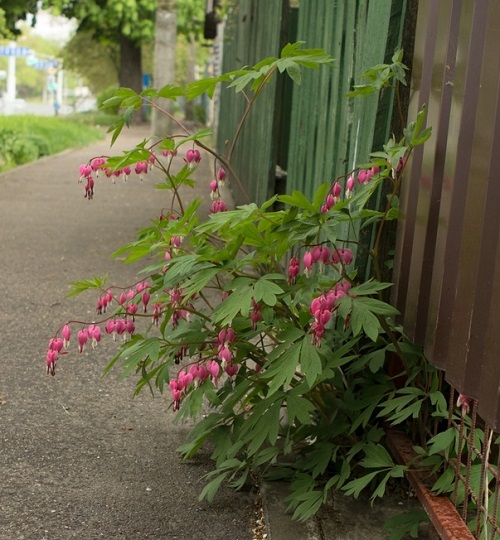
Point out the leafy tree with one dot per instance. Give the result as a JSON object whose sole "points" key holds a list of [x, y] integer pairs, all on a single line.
{"points": [[97, 63], [128, 23], [13, 11]]}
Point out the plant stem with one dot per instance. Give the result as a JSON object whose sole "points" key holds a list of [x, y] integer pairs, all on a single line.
{"points": [[247, 111]]}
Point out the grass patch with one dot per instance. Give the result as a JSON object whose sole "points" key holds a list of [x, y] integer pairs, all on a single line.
{"points": [[93, 118], [25, 138]]}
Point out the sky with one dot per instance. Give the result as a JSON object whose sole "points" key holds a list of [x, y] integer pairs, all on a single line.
{"points": [[56, 28]]}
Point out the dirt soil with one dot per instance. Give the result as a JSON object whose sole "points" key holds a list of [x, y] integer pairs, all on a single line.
{"points": [[79, 456]]}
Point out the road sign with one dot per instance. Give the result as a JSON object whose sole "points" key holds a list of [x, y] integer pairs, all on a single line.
{"points": [[5, 50], [50, 65]]}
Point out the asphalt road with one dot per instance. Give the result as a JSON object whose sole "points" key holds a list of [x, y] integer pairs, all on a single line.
{"points": [[79, 456]]}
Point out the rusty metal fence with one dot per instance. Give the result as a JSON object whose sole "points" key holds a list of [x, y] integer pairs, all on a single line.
{"points": [[447, 264]]}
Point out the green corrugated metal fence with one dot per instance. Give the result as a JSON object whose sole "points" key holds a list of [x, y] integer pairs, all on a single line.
{"points": [[316, 134], [252, 33]]}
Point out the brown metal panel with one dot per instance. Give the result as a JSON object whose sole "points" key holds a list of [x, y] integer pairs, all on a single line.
{"points": [[489, 394], [422, 68], [472, 291], [434, 188], [459, 195], [439, 270], [485, 323]]}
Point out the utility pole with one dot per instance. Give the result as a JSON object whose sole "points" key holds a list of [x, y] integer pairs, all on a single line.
{"points": [[10, 95]]}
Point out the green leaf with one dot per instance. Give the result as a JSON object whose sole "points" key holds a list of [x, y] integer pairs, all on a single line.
{"points": [[139, 153], [442, 441], [77, 287], [412, 410], [298, 199], [227, 310], [200, 134], [199, 280], [445, 483], [134, 352], [202, 86], [266, 290], [321, 456], [210, 490], [376, 360], [266, 455], [408, 523], [310, 361], [171, 91], [363, 319], [309, 504], [396, 472], [355, 487], [376, 456], [282, 369], [293, 71], [369, 287], [299, 408]]}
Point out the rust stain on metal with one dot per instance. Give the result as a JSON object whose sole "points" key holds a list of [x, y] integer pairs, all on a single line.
{"points": [[444, 516]]}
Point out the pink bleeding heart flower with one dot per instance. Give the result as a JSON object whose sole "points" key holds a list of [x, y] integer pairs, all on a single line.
{"points": [[213, 369], [50, 360], [66, 334], [82, 338], [192, 158], [349, 185], [146, 296], [307, 259], [231, 369]]}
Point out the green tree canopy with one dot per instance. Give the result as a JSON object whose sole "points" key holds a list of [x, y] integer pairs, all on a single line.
{"points": [[110, 19], [97, 63], [128, 23], [13, 11]]}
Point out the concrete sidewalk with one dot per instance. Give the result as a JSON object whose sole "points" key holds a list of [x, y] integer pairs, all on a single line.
{"points": [[79, 456]]}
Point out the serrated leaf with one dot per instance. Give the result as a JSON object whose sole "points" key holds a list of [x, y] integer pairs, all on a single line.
{"points": [[206, 86], [171, 91]]}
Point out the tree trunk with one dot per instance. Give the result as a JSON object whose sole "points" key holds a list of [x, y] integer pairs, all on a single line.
{"points": [[166, 36], [190, 76], [130, 74]]}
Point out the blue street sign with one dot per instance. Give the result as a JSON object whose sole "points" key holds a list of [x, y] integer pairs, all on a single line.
{"points": [[5, 50], [45, 64]]}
